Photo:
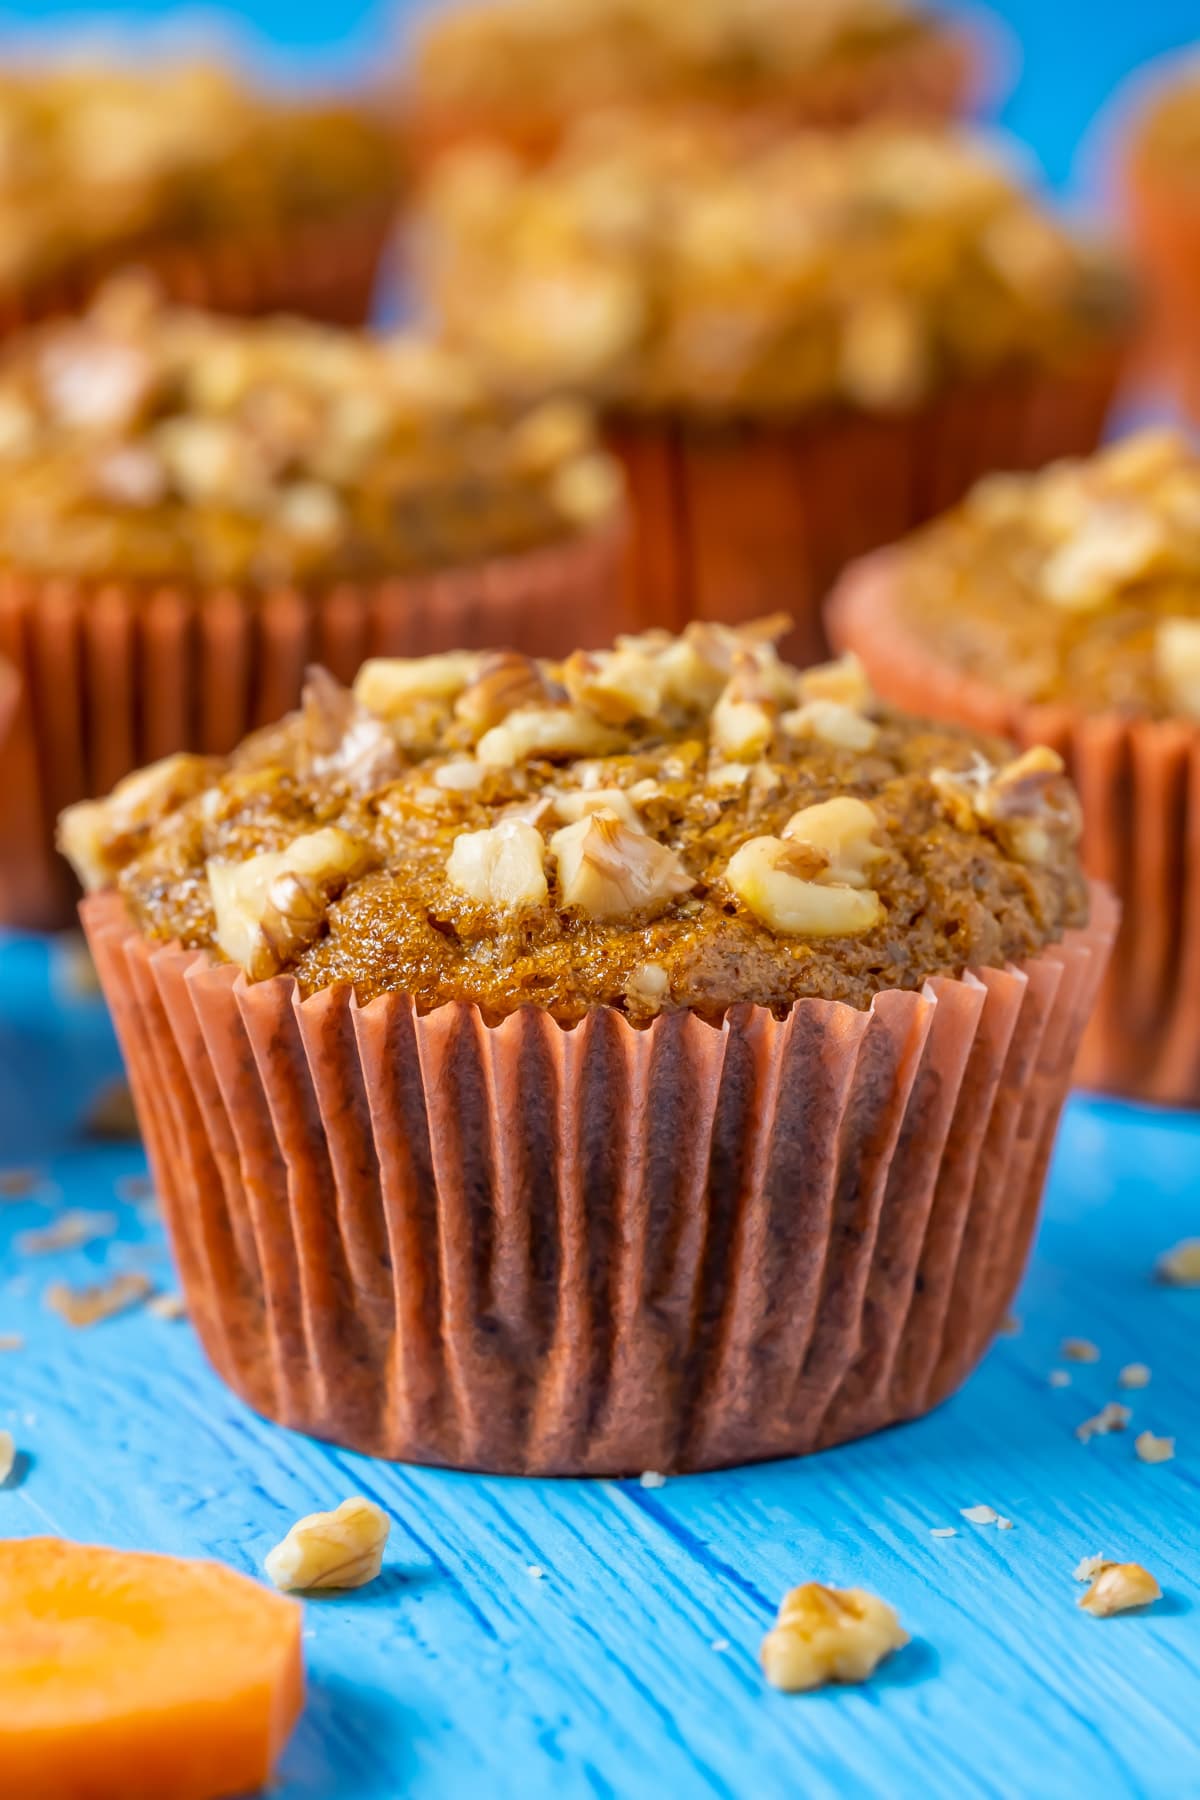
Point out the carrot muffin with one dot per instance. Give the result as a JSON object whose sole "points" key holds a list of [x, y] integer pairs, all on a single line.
{"points": [[235, 199], [1065, 607], [769, 323], [520, 71], [1162, 182], [192, 505], [584, 910]]}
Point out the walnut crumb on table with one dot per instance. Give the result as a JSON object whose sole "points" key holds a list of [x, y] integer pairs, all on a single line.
{"points": [[827, 1634], [1111, 1417], [339, 1549], [1080, 1350], [1116, 1587], [8, 1456], [1150, 1449], [102, 1300], [1180, 1266], [1134, 1375]]}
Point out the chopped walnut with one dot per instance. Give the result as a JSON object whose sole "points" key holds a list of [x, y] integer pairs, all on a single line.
{"points": [[549, 731], [649, 986], [831, 722], [1150, 1449], [1111, 1417], [884, 359], [8, 1456], [344, 739], [554, 433], [1177, 659], [618, 685], [1180, 1266], [503, 681], [388, 684], [70, 1231], [843, 682], [461, 775], [1087, 1566], [783, 885], [588, 489], [502, 867], [272, 906], [1119, 1587], [1116, 543], [743, 718], [843, 831], [87, 829], [1080, 1350], [829, 1634], [1028, 805], [609, 872], [339, 1549], [102, 1300], [1134, 1375], [579, 802]]}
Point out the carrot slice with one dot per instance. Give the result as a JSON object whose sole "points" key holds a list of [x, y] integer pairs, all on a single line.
{"points": [[127, 1676]]}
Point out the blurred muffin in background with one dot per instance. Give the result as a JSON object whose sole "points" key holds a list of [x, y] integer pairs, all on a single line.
{"points": [[1064, 610], [520, 72], [193, 507], [1162, 192], [802, 345], [235, 199]]}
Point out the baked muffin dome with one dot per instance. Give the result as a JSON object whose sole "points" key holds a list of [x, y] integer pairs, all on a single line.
{"points": [[146, 443], [678, 823], [1080, 583], [504, 57], [715, 272], [104, 160]]}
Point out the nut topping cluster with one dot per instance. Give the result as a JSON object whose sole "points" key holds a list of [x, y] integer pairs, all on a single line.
{"points": [[675, 821], [149, 442], [700, 268]]}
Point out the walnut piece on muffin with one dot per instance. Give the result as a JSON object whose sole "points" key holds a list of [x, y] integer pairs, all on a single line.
{"points": [[147, 443], [412, 836], [1080, 583], [702, 270]]}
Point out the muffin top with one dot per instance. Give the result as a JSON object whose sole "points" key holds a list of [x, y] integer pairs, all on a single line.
{"points": [[1077, 584], [153, 443], [676, 823], [717, 269], [96, 158], [566, 54]]}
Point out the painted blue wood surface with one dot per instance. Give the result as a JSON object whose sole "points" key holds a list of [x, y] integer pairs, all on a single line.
{"points": [[629, 1665]]}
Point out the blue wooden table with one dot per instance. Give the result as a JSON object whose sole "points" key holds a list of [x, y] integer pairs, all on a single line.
{"points": [[559, 1638]]}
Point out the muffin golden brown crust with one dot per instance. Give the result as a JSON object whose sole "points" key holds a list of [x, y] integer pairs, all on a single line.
{"points": [[146, 443], [722, 272], [1079, 584], [101, 160], [680, 823]]}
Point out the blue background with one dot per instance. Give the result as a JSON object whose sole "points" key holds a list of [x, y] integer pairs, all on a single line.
{"points": [[629, 1665]]}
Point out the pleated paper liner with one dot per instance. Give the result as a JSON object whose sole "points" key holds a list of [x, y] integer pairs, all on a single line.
{"points": [[112, 678], [1164, 224], [738, 521], [322, 269], [1139, 781], [938, 77], [538, 1250]]}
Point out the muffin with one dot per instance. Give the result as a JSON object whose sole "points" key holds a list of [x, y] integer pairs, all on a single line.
{"points": [[234, 199], [192, 507], [648, 1060], [802, 346], [1162, 192], [520, 72], [1064, 608]]}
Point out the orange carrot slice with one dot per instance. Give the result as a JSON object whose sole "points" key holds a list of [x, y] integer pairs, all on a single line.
{"points": [[126, 1676]]}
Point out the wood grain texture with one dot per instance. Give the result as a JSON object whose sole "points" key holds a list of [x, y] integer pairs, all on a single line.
{"points": [[460, 1672]]}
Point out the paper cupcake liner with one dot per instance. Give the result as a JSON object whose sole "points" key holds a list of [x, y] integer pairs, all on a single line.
{"points": [[323, 269], [538, 1250], [112, 678], [735, 522], [1139, 781], [936, 78], [1165, 227]]}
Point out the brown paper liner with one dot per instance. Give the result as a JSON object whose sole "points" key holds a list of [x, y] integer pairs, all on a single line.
{"points": [[739, 521], [323, 269], [935, 78], [1165, 226], [494, 1246], [1139, 781], [112, 678]]}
